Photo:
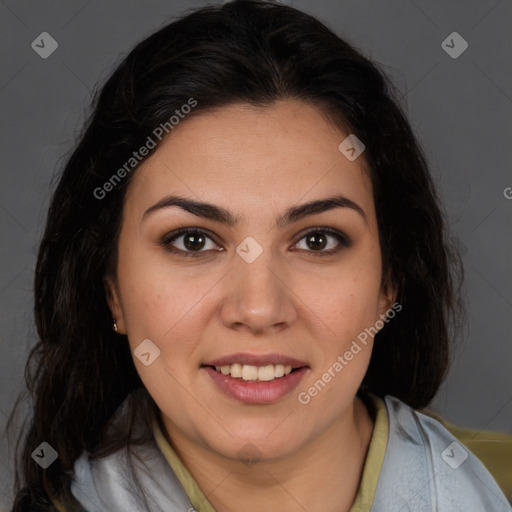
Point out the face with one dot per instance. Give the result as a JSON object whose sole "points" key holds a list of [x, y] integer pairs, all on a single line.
{"points": [[261, 285]]}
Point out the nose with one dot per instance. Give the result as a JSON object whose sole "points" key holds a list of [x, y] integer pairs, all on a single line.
{"points": [[259, 297]]}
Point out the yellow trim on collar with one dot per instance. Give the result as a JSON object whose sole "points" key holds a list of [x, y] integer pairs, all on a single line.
{"points": [[194, 493], [374, 459]]}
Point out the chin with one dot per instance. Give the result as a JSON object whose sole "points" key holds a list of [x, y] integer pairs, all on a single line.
{"points": [[259, 446]]}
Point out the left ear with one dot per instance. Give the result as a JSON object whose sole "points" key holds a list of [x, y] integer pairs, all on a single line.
{"points": [[388, 294]]}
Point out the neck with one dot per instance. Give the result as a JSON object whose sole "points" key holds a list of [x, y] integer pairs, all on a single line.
{"points": [[322, 475]]}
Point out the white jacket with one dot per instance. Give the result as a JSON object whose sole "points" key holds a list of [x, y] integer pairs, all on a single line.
{"points": [[425, 469]]}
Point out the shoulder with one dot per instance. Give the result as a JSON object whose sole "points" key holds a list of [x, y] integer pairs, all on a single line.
{"points": [[425, 468], [126, 479]]}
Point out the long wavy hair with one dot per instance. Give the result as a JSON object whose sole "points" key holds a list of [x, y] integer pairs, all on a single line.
{"points": [[79, 371]]}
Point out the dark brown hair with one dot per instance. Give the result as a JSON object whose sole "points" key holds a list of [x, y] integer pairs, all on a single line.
{"points": [[79, 371]]}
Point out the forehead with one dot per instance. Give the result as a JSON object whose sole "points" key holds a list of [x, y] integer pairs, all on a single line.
{"points": [[283, 153]]}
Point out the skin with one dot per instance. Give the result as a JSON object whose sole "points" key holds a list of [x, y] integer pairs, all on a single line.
{"points": [[256, 162]]}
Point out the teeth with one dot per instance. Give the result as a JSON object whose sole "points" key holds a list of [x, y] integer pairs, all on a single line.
{"points": [[259, 373], [266, 372], [249, 372], [235, 370]]}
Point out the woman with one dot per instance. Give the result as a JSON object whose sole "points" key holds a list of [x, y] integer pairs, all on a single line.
{"points": [[245, 288]]}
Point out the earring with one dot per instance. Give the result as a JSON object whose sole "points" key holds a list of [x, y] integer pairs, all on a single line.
{"points": [[114, 324]]}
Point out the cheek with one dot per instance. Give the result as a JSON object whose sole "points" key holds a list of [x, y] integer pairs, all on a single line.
{"points": [[162, 310], [154, 298], [348, 304], [165, 314], [350, 298], [167, 305]]}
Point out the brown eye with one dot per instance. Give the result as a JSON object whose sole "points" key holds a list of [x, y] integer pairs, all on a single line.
{"points": [[316, 241], [193, 241], [188, 242]]}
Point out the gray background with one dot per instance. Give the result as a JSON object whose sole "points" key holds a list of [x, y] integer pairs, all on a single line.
{"points": [[459, 108]]}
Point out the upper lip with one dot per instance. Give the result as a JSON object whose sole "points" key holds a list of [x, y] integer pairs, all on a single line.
{"points": [[256, 360]]}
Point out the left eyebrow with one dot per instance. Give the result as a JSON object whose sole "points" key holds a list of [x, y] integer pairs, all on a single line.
{"points": [[219, 214]]}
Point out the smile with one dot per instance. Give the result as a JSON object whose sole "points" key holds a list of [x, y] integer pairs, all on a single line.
{"points": [[256, 379], [255, 373]]}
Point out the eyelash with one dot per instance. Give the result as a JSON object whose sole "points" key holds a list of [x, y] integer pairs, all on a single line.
{"points": [[343, 240]]}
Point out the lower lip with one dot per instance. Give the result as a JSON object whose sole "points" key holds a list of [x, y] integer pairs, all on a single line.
{"points": [[255, 392]]}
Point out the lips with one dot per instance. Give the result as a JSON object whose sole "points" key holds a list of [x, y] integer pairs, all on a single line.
{"points": [[256, 379]]}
